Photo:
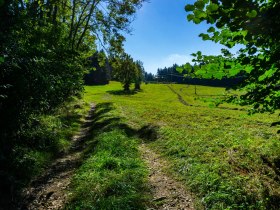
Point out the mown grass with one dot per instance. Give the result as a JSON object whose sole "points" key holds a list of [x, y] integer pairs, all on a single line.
{"points": [[228, 159]]}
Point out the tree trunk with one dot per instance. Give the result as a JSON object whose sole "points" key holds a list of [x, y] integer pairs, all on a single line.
{"points": [[126, 87], [137, 86]]}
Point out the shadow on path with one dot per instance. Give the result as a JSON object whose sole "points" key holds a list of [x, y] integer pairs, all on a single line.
{"points": [[48, 190]]}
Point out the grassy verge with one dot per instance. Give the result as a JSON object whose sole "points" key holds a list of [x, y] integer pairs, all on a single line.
{"points": [[45, 137], [39, 141], [229, 159]]}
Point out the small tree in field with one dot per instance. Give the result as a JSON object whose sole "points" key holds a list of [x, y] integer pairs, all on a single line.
{"points": [[124, 70]]}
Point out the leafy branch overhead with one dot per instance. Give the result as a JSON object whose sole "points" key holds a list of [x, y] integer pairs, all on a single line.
{"points": [[252, 25]]}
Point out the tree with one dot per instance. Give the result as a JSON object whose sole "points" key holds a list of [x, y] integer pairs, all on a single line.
{"points": [[124, 70], [139, 76], [100, 72], [255, 25]]}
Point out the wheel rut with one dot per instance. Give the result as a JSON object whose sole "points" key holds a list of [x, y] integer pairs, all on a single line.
{"points": [[49, 191], [168, 194]]}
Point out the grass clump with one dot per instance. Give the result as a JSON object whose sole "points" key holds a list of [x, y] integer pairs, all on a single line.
{"points": [[112, 177]]}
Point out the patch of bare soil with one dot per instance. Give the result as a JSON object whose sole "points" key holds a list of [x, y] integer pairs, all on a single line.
{"points": [[49, 191], [168, 194]]}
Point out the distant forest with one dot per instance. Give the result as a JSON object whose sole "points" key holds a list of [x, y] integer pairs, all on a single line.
{"points": [[101, 76], [170, 74]]}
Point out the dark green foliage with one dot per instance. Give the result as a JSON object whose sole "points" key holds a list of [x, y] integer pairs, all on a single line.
{"points": [[127, 71], [170, 74], [101, 72], [149, 77], [254, 25], [139, 74], [44, 50]]}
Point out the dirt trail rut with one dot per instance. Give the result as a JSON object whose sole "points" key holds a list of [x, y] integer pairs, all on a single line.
{"points": [[49, 191], [168, 194]]}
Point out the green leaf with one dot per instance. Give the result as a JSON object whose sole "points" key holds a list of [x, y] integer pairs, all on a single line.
{"points": [[190, 17], [212, 7], [261, 56], [248, 69], [197, 20], [252, 14], [199, 4], [188, 67], [180, 69], [200, 14], [204, 36], [219, 75], [211, 29], [189, 7], [1, 59], [267, 74], [233, 72]]}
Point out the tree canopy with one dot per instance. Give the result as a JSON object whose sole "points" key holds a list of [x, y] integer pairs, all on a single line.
{"points": [[127, 71], [253, 25]]}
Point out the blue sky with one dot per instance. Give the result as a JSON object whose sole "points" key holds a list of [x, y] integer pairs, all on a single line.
{"points": [[162, 35]]}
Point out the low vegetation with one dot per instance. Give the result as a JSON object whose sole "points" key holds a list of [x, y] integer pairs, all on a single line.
{"points": [[44, 138], [113, 175], [230, 160]]}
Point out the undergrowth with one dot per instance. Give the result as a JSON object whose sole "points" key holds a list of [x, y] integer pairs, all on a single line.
{"points": [[38, 142]]}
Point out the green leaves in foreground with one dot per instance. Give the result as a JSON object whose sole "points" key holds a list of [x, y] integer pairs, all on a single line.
{"points": [[250, 25]]}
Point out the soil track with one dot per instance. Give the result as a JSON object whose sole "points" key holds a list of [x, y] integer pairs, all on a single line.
{"points": [[180, 98], [168, 194], [49, 191]]}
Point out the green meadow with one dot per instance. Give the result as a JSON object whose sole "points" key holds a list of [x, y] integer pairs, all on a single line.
{"points": [[225, 157]]}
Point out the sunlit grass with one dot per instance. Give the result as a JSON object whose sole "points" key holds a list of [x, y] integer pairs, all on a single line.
{"points": [[229, 159]]}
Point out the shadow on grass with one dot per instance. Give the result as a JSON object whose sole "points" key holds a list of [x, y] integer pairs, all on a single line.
{"points": [[110, 135], [42, 191], [123, 92], [103, 122]]}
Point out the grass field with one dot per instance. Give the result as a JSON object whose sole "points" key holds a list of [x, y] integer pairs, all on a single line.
{"points": [[228, 159]]}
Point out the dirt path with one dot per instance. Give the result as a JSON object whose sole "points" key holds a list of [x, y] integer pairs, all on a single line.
{"points": [[49, 191], [168, 193]]}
